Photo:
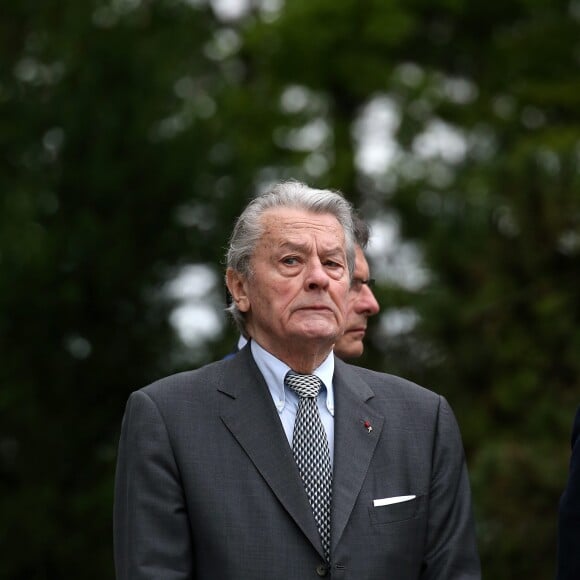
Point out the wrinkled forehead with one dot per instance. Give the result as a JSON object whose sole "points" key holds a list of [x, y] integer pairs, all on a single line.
{"points": [[295, 226]]}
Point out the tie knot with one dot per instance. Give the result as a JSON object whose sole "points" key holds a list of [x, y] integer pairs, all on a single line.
{"points": [[304, 385]]}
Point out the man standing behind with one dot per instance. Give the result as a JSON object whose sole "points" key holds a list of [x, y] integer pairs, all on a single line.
{"points": [[283, 461], [361, 301]]}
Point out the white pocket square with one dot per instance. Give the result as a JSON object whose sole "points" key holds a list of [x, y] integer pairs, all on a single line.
{"points": [[392, 500]]}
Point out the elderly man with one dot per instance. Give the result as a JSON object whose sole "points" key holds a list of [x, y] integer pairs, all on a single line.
{"points": [[361, 301], [283, 461]]}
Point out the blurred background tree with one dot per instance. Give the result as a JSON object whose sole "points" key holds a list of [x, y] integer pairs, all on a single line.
{"points": [[134, 131]]}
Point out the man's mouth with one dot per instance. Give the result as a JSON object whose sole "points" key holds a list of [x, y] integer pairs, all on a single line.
{"points": [[357, 329]]}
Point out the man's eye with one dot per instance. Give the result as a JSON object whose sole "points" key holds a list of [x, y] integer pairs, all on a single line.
{"points": [[290, 260], [356, 284]]}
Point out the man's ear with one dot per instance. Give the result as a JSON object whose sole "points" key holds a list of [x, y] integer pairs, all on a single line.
{"points": [[236, 284]]}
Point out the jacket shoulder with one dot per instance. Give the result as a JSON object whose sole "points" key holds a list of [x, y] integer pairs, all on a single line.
{"points": [[385, 386], [197, 383]]}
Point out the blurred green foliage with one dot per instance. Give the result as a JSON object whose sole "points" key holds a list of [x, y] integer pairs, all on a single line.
{"points": [[133, 132]]}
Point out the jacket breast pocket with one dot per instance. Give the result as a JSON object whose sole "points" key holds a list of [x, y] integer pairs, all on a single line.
{"points": [[397, 512]]}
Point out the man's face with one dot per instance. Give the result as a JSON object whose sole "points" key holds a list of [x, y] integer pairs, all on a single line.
{"points": [[361, 304], [296, 295]]}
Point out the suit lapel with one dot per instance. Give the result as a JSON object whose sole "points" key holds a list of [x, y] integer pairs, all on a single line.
{"points": [[249, 413], [354, 444]]}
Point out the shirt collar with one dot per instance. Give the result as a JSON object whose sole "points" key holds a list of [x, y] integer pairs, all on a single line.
{"points": [[274, 372]]}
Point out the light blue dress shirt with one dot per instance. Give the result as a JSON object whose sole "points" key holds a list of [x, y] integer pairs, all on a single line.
{"points": [[286, 400]]}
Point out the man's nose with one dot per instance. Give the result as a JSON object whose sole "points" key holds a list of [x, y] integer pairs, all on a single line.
{"points": [[367, 302], [316, 275]]}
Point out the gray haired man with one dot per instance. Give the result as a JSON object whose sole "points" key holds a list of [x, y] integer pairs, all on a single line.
{"points": [[283, 461]]}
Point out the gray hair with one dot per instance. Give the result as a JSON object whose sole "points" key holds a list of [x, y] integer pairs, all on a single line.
{"points": [[362, 232], [289, 194]]}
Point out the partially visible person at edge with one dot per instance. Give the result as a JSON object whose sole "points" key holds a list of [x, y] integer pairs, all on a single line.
{"points": [[362, 303], [284, 461], [568, 561]]}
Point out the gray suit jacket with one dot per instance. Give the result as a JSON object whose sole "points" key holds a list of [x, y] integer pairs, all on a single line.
{"points": [[207, 487]]}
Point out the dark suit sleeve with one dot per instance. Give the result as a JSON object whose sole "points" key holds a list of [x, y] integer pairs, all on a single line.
{"points": [[451, 551], [151, 528], [569, 515]]}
